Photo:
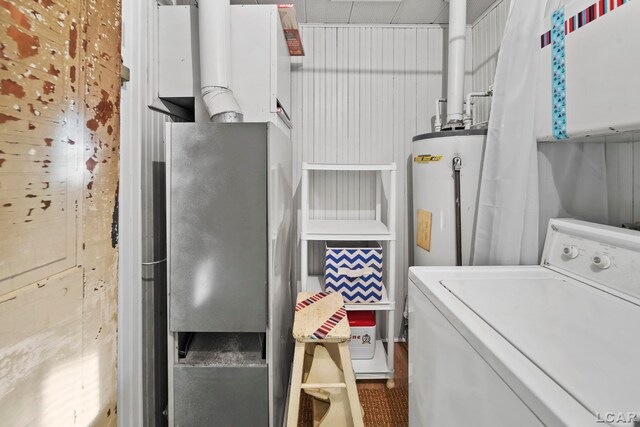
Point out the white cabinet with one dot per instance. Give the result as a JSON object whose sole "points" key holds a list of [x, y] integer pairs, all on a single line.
{"points": [[602, 61], [261, 65], [178, 56]]}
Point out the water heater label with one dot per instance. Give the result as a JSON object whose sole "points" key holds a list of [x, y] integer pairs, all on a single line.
{"points": [[427, 158]]}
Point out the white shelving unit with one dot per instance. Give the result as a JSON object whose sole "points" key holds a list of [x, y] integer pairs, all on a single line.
{"points": [[381, 366]]}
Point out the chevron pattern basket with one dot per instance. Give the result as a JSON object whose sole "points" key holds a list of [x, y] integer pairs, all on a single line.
{"points": [[355, 270]]}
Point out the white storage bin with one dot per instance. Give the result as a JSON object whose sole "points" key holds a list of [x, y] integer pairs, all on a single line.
{"points": [[363, 334]]}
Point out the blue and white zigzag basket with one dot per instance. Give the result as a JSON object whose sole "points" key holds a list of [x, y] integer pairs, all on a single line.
{"points": [[355, 270]]}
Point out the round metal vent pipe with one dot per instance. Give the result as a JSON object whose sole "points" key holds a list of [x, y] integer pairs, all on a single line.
{"points": [[455, 81], [214, 19]]}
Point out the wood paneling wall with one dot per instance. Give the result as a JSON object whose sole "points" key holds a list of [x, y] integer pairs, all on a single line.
{"points": [[59, 149], [359, 96]]}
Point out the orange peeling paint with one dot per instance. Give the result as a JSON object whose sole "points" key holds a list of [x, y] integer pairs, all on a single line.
{"points": [[53, 70], [6, 118], [27, 45], [92, 124], [104, 109], [18, 17], [91, 164], [73, 40], [48, 87], [9, 87]]}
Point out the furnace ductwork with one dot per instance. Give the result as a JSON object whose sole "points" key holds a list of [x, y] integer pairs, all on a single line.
{"points": [[214, 18]]}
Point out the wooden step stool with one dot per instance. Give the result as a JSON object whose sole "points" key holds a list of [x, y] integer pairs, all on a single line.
{"points": [[321, 330]]}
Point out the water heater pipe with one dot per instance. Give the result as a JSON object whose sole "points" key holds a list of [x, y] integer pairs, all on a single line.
{"points": [[468, 112], [437, 124], [214, 19], [455, 82]]}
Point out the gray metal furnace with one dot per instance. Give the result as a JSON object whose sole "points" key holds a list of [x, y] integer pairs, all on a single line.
{"points": [[230, 292]]}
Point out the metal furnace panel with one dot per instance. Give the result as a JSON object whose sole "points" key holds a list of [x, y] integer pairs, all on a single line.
{"points": [[218, 227], [221, 396]]}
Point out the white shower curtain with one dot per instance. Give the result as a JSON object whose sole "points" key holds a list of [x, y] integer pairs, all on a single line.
{"points": [[514, 206]]}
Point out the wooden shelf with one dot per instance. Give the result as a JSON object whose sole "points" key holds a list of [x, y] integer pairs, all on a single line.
{"points": [[348, 167], [347, 230], [315, 284], [375, 368]]}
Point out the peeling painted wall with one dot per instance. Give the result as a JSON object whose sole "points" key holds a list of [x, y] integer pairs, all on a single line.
{"points": [[59, 148]]}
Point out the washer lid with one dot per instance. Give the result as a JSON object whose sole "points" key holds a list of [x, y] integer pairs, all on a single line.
{"points": [[585, 339]]}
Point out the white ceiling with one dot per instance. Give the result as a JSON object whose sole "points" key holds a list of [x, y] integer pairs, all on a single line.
{"points": [[376, 12]]}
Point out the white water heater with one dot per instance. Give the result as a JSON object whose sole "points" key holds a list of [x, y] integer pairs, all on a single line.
{"points": [[443, 228]]}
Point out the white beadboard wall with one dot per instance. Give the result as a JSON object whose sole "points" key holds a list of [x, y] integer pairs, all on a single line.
{"points": [[154, 277], [623, 178], [487, 36], [144, 130], [359, 96], [622, 151]]}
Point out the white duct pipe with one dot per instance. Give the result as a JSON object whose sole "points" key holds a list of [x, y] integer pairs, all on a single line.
{"points": [[214, 19], [455, 82]]}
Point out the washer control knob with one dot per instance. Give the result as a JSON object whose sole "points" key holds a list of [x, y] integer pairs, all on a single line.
{"points": [[570, 251], [601, 261]]}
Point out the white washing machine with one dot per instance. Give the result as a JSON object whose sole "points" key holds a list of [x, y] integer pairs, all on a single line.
{"points": [[556, 344]]}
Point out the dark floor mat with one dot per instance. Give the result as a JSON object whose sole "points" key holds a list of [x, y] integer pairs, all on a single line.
{"points": [[382, 407]]}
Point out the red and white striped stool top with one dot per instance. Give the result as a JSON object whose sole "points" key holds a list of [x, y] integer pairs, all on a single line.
{"points": [[320, 317]]}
